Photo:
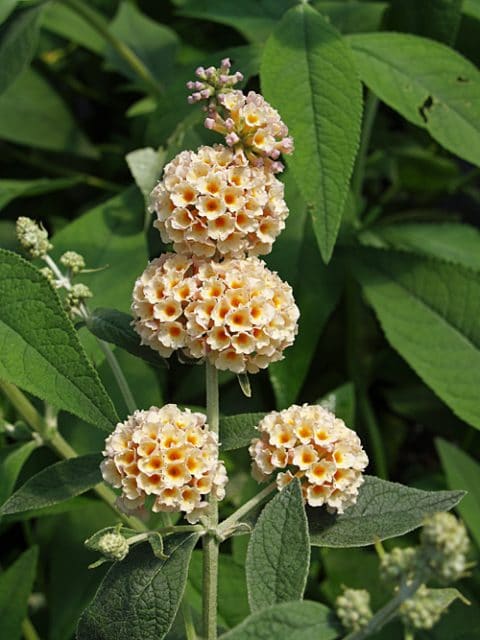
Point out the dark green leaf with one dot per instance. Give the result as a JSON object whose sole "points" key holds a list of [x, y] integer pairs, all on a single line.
{"points": [[15, 586], [63, 21], [115, 327], [435, 19], [140, 596], [6, 8], [237, 431], [307, 73], [31, 113], [303, 620], [383, 510], [12, 459], [39, 349], [428, 310], [18, 40], [352, 16], [56, 483], [426, 82], [463, 472], [11, 189], [341, 402], [146, 167], [278, 554]]}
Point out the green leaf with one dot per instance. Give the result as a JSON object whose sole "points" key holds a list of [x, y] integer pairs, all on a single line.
{"points": [[18, 41], [11, 189], [341, 402], [472, 8], [31, 113], [115, 327], [237, 431], [278, 554], [443, 598], [62, 21], [317, 290], [146, 167], [428, 311], [307, 73], [435, 19], [383, 510], [254, 19], [463, 472], [352, 16], [56, 483], [303, 620], [12, 459], [140, 596], [428, 83], [155, 44], [15, 586], [39, 349], [451, 242], [6, 9]]}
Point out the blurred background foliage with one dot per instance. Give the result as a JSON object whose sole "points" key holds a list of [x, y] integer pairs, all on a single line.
{"points": [[84, 84]]}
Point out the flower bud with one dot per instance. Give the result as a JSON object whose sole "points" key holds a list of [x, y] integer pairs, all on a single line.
{"points": [[73, 261], [113, 546], [33, 237], [422, 611], [398, 565], [353, 609], [77, 294], [444, 545]]}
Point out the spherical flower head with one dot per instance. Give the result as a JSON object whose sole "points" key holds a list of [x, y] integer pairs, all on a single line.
{"points": [[399, 565], [73, 261], [236, 313], [33, 237], [444, 545], [113, 546], [423, 610], [310, 443], [214, 203], [353, 609], [168, 454]]}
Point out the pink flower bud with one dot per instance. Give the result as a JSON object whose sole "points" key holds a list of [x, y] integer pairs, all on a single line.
{"points": [[229, 124], [209, 123], [191, 85], [232, 139], [226, 64]]}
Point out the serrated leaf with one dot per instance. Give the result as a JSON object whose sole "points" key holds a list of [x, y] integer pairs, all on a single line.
{"points": [[463, 472], [429, 311], [308, 75], [237, 431], [18, 40], [455, 243], [55, 484], [115, 327], [383, 510], [140, 596], [303, 620], [146, 167], [32, 113], [15, 586], [12, 459], [278, 554], [435, 19], [11, 189], [426, 82], [39, 349]]}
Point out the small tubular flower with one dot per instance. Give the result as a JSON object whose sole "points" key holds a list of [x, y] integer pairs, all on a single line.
{"points": [[169, 454], [310, 443], [236, 313], [213, 203]]}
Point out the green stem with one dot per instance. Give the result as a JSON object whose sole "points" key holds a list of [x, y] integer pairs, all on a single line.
{"points": [[97, 22], [190, 632], [386, 613], [371, 106], [370, 421], [210, 541], [242, 511], [28, 630], [119, 376]]}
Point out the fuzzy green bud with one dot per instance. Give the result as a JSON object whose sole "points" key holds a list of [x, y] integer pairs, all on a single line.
{"points": [[77, 294], [32, 237], [444, 545], [113, 546], [422, 611], [398, 564], [73, 261], [353, 609]]}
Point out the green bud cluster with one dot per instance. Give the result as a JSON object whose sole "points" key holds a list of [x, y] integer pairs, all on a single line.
{"points": [[398, 565], [32, 237], [113, 546], [444, 545], [48, 273], [77, 294], [73, 261], [353, 609], [422, 611]]}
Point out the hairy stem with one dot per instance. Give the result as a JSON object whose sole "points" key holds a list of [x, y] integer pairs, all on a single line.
{"points": [[229, 523], [119, 376], [210, 541]]}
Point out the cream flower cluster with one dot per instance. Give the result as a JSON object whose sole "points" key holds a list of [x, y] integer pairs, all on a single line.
{"points": [[214, 203], [236, 313], [168, 454], [310, 443]]}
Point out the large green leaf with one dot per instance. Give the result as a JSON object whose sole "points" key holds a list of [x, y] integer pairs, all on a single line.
{"points": [[12, 459], [303, 620], [307, 73], [237, 431], [352, 16], [429, 312], [449, 241], [18, 40], [11, 189], [140, 596], [436, 19], [463, 472], [426, 82], [63, 21], [383, 510], [39, 348], [55, 484], [31, 113], [15, 586], [341, 402], [6, 8], [146, 167], [278, 554]]}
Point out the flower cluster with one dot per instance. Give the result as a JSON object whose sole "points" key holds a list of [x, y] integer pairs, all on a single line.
{"points": [[214, 203], [445, 544], [423, 610], [236, 313], [33, 237], [310, 443], [169, 454], [353, 609]]}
